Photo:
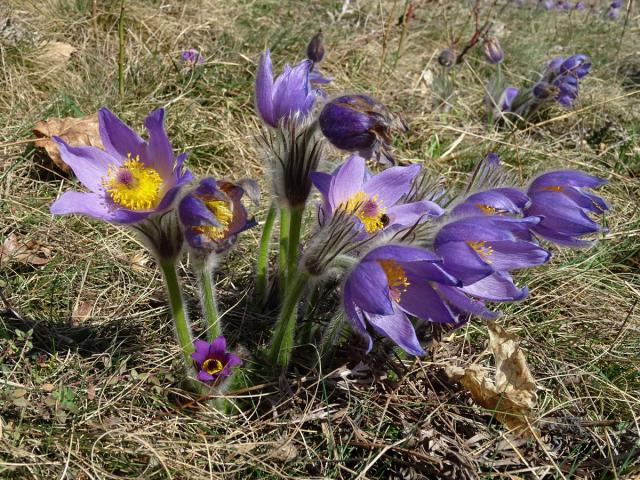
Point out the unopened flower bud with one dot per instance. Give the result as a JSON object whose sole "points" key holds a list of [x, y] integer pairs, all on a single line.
{"points": [[315, 49], [447, 57], [493, 51]]}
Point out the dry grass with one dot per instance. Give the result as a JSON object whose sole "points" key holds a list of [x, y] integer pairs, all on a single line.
{"points": [[96, 397]]}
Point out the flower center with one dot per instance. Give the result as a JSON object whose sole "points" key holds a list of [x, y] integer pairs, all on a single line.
{"points": [[223, 213], [369, 210], [486, 209], [133, 185], [212, 366], [396, 278], [481, 249], [553, 188]]}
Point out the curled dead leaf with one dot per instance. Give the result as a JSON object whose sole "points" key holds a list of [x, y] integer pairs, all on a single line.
{"points": [[512, 392], [285, 453], [55, 55], [75, 131], [15, 249], [81, 312]]}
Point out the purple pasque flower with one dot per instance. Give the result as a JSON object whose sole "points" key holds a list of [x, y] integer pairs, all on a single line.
{"points": [[580, 6], [192, 56], [212, 360], [613, 13], [358, 123], [505, 101], [373, 200], [577, 65], [289, 95], [566, 89], [474, 248], [130, 179], [495, 201], [561, 200], [392, 281], [616, 4], [212, 215], [492, 50]]}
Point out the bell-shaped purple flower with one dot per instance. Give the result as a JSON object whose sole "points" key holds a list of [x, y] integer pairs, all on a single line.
{"points": [[212, 215], [561, 200], [289, 95], [212, 360], [374, 201], [493, 51], [130, 179], [358, 123], [505, 102], [475, 247], [392, 281]]}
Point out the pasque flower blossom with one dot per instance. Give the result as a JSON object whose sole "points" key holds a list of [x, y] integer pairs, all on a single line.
{"points": [[392, 281], [128, 181], [561, 200], [289, 95], [373, 200], [212, 215], [192, 57], [213, 361]]}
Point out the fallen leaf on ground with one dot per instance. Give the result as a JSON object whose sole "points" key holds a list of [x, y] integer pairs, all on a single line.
{"points": [[512, 393], [75, 131], [81, 312], [55, 54], [15, 249]]}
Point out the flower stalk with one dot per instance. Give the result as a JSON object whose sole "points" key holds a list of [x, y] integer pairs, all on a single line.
{"points": [[262, 276], [283, 258], [209, 305]]}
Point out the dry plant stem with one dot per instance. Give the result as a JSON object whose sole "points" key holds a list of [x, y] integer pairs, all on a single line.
{"points": [[285, 225], [121, 50], [262, 276], [209, 305], [282, 340], [183, 331]]}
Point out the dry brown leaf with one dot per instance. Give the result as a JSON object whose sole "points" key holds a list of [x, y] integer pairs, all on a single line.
{"points": [[15, 249], [512, 394], [74, 131], [55, 54], [81, 312]]}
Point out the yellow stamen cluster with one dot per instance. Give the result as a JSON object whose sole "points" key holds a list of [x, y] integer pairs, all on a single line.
{"points": [[553, 188], [396, 278], [486, 209], [223, 213], [212, 366], [481, 249], [133, 185], [368, 210]]}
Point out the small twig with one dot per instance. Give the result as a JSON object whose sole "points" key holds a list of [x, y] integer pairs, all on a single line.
{"points": [[94, 18], [121, 50]]}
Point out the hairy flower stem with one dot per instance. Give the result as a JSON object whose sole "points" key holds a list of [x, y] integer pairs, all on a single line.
{"points": [[262, 276], [283, 258], [295, 228], [209, 305], [283, 336], [178, 312]]}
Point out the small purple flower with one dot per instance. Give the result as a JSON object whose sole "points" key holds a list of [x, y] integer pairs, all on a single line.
{"points": [[577, 65], [373, 200], [212, 360], [580, 6], [547, 4], [567, 89], [128, 181], [505, 101], [212, 215], [613, 13], [392, 281], [192, 57], [560, 199], [616, 4], [493, 51], [289, 95], [358, 123], [475, 247]]}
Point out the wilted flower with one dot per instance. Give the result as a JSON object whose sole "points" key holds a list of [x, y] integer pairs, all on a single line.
{"points": [[289, 96], [475, 247], [560, 199], [493, 51], [372, 200], [212, 215], [315, 49], [212, 360], [358, 123], [392, 281], [192, 57], [128, 181]]}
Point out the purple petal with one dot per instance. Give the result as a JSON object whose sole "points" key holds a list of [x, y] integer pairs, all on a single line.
{"points": [[507, 255], [354, 316], [456, 297], [264, 90], [391, 184], [89, 164], [411, 213], [401, 253], [565, 240], [421, 300], [398, 328], [369, 288], [118, 139], [159, 150], [90, 204], [463, 262], [291, 91], [201, 353], [218, 347], [205, 377], [572, 178], [498, 287], [347, 181]]}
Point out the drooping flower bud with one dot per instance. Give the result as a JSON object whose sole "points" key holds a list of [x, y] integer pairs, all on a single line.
{"points": [[358, 123], [315, 49], [447, 57], [493, 51]]}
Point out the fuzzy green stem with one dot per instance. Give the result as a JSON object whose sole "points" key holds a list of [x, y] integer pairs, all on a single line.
{"points": [[183, 331], [295, 228], [283, 258], [209, 305], [262, 276], [121, 50], [310, 306], [282, 340]]}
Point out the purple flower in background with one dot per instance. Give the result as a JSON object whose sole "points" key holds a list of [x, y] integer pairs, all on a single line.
{"points": [[192, 57], [475, 247], [493, 51], [580, 6], [505, 101], [547, 4], [392, 281], [212, 360], [616, 4], [560, 199], [288, 95], [128, 181], [212, 215], [496, 201], [373, 200], [577, 65], [358, 123], [567, 89], [613, 13]]}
